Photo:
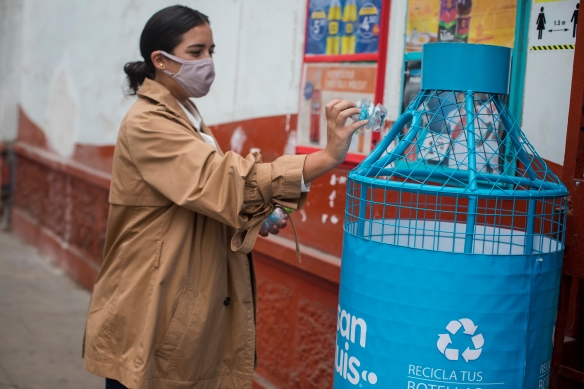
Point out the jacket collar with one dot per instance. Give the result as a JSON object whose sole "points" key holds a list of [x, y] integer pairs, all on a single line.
{"points": [[157, 92]]}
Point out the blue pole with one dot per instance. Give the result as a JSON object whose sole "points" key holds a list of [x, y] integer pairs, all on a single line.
{"points": [[529, 229], [362, 211], [472, 173]]}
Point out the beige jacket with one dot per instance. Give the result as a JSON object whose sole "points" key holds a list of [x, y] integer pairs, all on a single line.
{"points": [[174, 303]]}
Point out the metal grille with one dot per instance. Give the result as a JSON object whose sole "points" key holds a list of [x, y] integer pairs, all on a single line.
{"points": [[456, 173]]}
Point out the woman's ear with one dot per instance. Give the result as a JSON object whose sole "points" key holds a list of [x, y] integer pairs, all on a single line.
{"points": [[158, 60]]}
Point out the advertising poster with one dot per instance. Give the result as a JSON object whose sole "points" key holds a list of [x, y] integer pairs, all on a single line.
{"points": [[553, 24], [345, 27], [489, 22], [325, 82]]}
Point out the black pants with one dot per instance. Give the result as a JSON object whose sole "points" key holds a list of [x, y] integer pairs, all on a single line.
{"points": [[113, 384]]}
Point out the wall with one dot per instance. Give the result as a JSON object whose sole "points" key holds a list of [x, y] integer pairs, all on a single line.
{"points": [[10, 63], [67, 72], [546, 100], [548, 79]]}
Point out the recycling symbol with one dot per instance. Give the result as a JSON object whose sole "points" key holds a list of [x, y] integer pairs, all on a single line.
{"points": [[470, 329]]}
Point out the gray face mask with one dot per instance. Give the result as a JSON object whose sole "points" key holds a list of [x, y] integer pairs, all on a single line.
{"points": [[195, 77]]}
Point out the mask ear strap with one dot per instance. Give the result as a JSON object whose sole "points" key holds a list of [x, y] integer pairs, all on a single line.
{"points": [[175, 59]]}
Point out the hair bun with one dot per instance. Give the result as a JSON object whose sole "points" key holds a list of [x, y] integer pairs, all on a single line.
{"points": [[137, 73]]}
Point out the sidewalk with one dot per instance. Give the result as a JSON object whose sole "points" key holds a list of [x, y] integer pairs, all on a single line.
{"points": [[42, 317]]}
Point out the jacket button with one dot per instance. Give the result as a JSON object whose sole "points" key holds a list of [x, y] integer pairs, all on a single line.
{"points": [[227, 301]]}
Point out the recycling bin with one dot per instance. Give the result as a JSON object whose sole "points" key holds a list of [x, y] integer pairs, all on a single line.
{"points": [[453, 240]]}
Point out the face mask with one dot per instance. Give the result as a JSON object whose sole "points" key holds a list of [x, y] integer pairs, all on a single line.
{"points": [[195, 77]]}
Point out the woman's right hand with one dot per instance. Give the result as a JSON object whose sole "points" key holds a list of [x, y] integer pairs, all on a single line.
{"points": [[338, 139], [338, 134]]}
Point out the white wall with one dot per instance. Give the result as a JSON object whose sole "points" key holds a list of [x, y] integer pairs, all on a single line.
{"points": [[10, 55], [67, 73], [548, 81]]}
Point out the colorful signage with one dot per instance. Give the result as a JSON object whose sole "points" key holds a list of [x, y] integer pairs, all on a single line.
{"points": [[343, 27], [325, 82], [489, 22]]}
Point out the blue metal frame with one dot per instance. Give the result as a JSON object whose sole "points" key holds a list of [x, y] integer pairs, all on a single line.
{"points": [[520, 49]]}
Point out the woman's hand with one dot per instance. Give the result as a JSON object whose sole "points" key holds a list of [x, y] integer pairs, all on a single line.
{"points": [[275, 229], [338, 134], [338, 139]]}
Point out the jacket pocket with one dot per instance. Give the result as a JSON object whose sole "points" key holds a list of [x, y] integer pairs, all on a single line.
{"points": [[157, 254], [178, 324]]}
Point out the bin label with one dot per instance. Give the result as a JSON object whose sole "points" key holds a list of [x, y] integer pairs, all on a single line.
{"points": [[403, 323], [353, 331], [451, 353]]}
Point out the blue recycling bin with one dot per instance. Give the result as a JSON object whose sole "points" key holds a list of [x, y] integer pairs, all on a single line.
{"points": [[453, 242]]}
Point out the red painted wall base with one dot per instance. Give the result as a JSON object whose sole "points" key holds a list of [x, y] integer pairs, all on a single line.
{"points": [[71, 259]]}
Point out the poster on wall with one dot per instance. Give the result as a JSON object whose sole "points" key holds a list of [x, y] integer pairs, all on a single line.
{"points": [[553, 25], [343, 27], [489, 22], [323, 82]]}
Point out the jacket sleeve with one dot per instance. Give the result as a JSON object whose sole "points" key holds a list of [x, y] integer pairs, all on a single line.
{"points": [[236, 191]]}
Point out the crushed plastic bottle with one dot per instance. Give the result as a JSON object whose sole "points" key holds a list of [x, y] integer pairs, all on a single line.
{"points": [[375, 114], [275, 219]]}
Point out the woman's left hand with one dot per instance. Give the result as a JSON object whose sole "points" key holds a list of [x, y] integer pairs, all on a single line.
{"points": [[275, 229]]}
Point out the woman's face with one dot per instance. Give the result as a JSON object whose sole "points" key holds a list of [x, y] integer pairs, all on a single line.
{"points": [[197, 43]]}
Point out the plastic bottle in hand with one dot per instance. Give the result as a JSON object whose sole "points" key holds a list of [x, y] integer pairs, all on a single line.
{"points": [[374, 114], [275, 219]]}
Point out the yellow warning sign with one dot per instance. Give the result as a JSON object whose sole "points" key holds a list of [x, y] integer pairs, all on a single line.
{"points": [[553, 47]]}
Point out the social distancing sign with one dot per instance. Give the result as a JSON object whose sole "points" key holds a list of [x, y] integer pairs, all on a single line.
{"points": [[553, 25]]}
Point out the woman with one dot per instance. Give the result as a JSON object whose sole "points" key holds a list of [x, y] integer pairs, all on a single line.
{"points": [[174, 302]]}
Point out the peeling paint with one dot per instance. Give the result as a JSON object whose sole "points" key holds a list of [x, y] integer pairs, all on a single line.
{"points": [[290, 148], [332, 198], [303, 215], [338, 180], [324, 218], [333, 179], [61, 122], [237, 139], [334, 219]]}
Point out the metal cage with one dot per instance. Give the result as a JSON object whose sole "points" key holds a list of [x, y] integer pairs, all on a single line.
{"points": [[456, 173]]}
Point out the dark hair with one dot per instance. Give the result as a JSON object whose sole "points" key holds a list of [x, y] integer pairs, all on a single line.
{"points": [[163, 31]]}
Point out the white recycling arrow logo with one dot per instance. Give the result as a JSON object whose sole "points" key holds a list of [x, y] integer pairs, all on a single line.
{"points": [[470, 329]]}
